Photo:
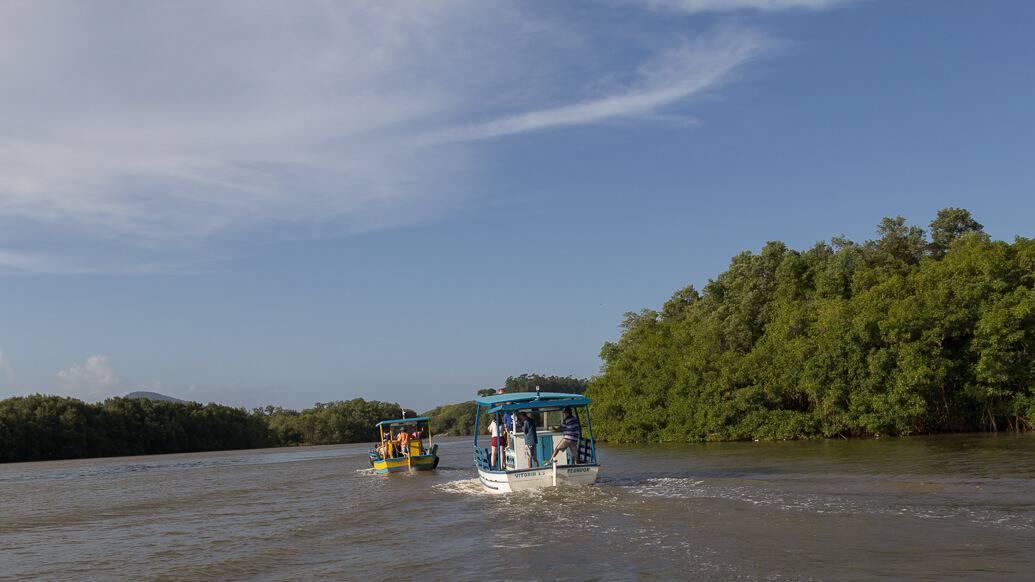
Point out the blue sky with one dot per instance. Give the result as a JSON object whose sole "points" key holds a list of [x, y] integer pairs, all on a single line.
{"points": [[286, 203]]}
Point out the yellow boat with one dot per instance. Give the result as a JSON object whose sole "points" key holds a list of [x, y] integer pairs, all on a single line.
{"points": [[395, 454]]}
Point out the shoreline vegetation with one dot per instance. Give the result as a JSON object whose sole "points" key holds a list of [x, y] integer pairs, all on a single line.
{"points": [[913, 332], [909, 333], [45, 427], [42, 427]]}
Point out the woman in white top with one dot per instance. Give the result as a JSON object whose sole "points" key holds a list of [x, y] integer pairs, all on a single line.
{"points": [[494, 431]]}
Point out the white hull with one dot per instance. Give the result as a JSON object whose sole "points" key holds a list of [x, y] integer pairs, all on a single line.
{"points": [[507, 482]]}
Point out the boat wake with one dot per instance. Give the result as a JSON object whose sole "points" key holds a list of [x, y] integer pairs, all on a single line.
{"points": [[462, 487], [445, 469], [915, 506]]}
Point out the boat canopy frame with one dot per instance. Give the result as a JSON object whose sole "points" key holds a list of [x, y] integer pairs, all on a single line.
{"points": [[399, 421], [532, 401], [541, 405], [415, 421], [524, 397]]}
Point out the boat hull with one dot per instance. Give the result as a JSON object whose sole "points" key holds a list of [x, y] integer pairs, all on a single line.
{"points": [[401, 464], [522, 480]]}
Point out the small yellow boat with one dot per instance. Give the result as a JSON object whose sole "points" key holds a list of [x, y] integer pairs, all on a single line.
{"points": [[402, 446]]}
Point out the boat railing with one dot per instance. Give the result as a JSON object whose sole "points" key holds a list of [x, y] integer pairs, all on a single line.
{"points": [[482, 458], [587, 450]]}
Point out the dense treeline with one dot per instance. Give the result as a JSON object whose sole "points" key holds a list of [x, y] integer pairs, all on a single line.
{"points": [[897, 335], [34, 428], [528, 382], [453, 419], [41, 427], [350, 421]]}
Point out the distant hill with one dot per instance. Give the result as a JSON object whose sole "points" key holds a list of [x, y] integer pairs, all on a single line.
{"points": [[154, 396]]}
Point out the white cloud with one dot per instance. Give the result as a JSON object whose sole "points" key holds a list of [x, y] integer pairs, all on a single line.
{"points": [[675, 75], [732, 5], [168, 128], [94, 379], [141, 137]]}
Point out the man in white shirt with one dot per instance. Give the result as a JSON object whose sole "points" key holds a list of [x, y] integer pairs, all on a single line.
{"points": [[494, 432]]}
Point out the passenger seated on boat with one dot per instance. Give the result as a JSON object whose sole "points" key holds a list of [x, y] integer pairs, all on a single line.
{"points": [[572, 431]]}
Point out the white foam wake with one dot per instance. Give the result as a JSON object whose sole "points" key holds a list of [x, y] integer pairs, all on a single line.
{"points": [[462, 487]]}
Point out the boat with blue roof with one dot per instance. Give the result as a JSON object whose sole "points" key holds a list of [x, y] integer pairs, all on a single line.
{"points": [[401, 447], [563, 455]]}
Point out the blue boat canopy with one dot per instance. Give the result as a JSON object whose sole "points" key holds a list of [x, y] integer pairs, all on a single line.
{"points": [[541, 404], [531, 401], [399, 421]]}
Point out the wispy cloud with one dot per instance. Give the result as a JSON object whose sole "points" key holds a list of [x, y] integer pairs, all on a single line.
{"points": [[143, 130], [137, 137], [20, 261], [94, 379], [692, 6], [674, 75]]}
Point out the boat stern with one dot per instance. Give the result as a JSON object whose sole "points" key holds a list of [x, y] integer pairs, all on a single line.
{"points": [[537, 478]]}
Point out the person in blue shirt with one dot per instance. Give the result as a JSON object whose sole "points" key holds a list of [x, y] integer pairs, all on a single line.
{"points": [[571, 430], [531, 438]]}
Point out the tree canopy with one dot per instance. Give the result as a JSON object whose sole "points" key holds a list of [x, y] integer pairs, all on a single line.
{"points": [[41, 427], [38, 427], [528, 382], [897, 335], [453, 419], [328, 423]]}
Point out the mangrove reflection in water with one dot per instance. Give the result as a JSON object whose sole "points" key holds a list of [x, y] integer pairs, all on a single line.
{"points": [[903, 508]]}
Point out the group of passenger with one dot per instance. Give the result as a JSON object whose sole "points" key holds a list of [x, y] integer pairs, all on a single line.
{"points": [[399, 445], [570, 429]]}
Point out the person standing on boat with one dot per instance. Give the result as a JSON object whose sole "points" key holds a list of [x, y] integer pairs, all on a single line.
{"points": [[404, 442], [572, 431], [531, 438], [416, 436], [494, 432]]}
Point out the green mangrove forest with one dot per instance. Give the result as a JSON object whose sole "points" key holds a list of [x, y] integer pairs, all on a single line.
{"points": [[912, 332], [38, 427], [42, 427]]}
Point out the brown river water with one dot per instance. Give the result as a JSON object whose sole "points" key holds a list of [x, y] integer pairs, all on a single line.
{"points": [[947, 507]]}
